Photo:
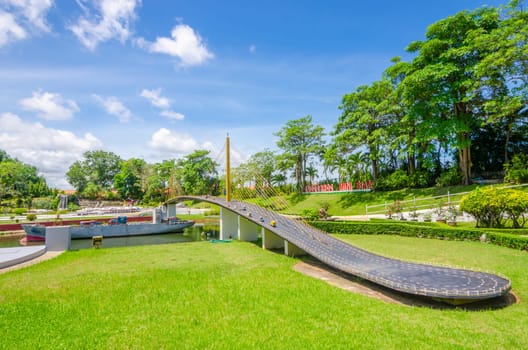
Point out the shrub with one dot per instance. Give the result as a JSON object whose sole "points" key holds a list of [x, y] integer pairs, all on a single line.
{"points": [[422, 231], [451, 177], [31, 217], [310, 214], [517, 169], [19, 211], [395, 181], [419, 179], [492, 206]]}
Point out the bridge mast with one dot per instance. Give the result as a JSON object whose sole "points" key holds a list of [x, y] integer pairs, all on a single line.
{"points": [[228, 172]]}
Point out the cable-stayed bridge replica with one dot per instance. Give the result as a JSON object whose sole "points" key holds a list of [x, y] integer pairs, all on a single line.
{"points": [[245, 221]]}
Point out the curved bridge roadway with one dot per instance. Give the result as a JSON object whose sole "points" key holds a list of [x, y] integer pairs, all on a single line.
{"points": [[418, 279]]}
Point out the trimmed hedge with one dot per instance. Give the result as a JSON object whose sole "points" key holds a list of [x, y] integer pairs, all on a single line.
{"points": [[413, 230]]}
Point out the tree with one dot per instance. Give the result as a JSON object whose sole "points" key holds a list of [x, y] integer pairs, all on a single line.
{"points": [[362, 125], [129, 181], [262, 165], [503, 72], [98, 168], [300, 140], [197, 174], [440, 82], [19, 182]]}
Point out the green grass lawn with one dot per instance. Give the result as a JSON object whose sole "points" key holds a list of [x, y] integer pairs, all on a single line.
{"points": [[237, 296]]}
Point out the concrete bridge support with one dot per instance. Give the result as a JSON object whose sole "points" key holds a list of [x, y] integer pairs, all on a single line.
{"points": [[171, 210], [248, 231], [292, 250], [57, 238], [271, 240], [228, 224]]}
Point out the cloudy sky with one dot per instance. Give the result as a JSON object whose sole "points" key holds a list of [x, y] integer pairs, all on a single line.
{"points": [[159, 79]]}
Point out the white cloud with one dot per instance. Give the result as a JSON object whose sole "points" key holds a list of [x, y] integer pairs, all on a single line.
{"points": [[17, 17], [50, 106], [114, 107], [172, 115], [169, 141], [34, 11], [52, 151], [154, 96], [253, 49], [163, 103], [111, 20], [10, 30], [185, 44]]}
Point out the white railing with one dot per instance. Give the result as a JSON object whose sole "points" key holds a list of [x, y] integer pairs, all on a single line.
{"points": [[424, 203]]}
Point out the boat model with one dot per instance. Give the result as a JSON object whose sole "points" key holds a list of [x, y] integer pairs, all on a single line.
{"points": [[117, 227]]}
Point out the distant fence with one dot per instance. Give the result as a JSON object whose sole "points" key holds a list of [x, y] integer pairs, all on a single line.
{"points": [[341, 187], [425, 203]]}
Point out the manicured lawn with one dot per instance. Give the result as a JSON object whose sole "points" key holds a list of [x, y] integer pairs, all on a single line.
{"points": [[237, 296]]}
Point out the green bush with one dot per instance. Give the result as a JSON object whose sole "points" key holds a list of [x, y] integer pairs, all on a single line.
{"points": [[31, 217], [451, 177], [517, 169], [19, 211], [492, 206], [415, 230], [310, 214], [395, 181], [420, 179]]}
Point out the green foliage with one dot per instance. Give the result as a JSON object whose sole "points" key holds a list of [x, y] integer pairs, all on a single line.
{"points": [[451, 177], [310, 214], [43, 203], [19, 182], [517, 169], [492, 206], [98, 168], [422, 231], [197, 175], [394, 181], [31, 217], [128, 182], [420, 179], [366, 114], [300, 140], [19, 211]]}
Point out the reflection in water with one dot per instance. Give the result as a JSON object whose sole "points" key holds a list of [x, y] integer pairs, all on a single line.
{"points": [[197, 232], [190, 234]]}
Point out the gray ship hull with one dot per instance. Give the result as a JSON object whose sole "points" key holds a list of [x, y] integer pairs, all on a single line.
{"points": [[89, 231]]}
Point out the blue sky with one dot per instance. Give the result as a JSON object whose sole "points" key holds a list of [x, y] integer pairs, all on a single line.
{"points": [[158, 79]]}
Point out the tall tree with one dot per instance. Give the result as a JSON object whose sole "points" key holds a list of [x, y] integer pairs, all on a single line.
{"points": [[366, 114], [129, 181], [503, 72], [197, 174], [300, 140], [98, 167], [441, 82], [19, 182]]}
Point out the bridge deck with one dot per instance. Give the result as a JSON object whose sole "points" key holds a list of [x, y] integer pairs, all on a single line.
{"points": [[407, 277]]}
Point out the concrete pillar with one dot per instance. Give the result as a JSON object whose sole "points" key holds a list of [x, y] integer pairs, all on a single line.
{"points": [[292, 250], [248, 231], [57, 238], [228, 224], [171, 210], [271, 240]]}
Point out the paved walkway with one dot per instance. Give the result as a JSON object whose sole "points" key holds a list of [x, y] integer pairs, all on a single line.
{"points": [[412, 278], [18, 257]]}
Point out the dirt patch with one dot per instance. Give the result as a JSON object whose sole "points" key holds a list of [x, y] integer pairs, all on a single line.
{"points": [[319, 270]]}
